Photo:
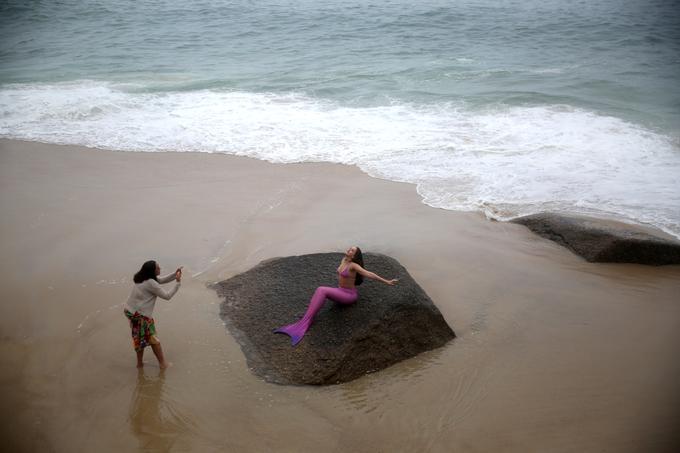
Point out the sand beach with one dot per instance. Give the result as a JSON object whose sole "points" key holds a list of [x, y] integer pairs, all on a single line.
{"points": [[553, 353]]}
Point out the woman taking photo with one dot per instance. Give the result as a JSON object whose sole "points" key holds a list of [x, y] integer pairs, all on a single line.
{"points": [[139, 308]]}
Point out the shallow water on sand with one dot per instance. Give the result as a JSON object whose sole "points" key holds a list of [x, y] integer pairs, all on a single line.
{"points": [[552, 354]]}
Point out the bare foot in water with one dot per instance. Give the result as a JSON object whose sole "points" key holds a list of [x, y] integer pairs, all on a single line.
{"points": [[165, 365]]}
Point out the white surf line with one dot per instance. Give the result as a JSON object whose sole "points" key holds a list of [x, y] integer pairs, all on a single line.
{"points": [[214, 259], [98, 311], [265, 207], [95, 313]]}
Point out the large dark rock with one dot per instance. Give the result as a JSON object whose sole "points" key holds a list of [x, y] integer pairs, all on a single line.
{"points": [[605, 241], [386, 325]]}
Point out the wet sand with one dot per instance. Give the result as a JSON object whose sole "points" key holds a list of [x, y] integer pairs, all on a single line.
{"points": [[553, 353]]}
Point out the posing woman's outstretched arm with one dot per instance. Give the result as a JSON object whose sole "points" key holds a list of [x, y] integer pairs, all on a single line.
{"points": [[372, 275]]}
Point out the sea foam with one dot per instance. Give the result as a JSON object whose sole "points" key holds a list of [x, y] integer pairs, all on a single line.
{"points": [[503, 160]]}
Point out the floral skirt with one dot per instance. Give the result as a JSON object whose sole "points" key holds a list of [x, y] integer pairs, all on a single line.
{"points": [[143, 330]]}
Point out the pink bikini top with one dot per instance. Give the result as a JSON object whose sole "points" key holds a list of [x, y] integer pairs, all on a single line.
{"points": [[344, 273]]}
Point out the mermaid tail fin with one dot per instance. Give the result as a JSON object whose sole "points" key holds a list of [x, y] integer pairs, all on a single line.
{"points": [[294, 331], [297, 331]]}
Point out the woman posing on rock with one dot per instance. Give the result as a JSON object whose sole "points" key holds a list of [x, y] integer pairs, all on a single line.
{"points": [[350, 274], [139, 308]]}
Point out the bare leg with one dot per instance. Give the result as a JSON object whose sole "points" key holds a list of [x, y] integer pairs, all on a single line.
{"points": [[140, 356], [158, 351]]}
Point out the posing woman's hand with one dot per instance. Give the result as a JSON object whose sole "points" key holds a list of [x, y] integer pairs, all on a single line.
{"points": [[392, 282]]}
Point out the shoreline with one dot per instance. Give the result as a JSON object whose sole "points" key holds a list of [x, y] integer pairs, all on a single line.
{"points": [[603, 216], [544, 358]]}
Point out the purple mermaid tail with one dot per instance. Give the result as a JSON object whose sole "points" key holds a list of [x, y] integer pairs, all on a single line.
{"points": [[294, 331], [341, 295]]}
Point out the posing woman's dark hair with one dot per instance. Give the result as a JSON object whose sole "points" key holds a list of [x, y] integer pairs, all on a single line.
{"points": [[359, 259], [147, 271]]}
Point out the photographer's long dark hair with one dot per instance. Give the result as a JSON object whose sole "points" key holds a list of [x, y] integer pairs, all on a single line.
{"points": [[359, 259], [147, 271]]}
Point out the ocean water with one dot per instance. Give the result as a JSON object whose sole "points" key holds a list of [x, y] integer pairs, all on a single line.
{"points": [[506, 107]]}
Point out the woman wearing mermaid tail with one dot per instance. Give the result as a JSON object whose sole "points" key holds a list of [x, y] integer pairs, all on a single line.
{"points": [[351, 273]]}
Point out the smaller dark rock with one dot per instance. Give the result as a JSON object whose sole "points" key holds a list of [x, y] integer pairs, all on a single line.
{"points": [[604, 241], [386, 325]]}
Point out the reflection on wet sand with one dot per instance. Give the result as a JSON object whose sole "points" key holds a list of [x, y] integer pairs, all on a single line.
{"points": [[155, 420], [369, 393]]}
